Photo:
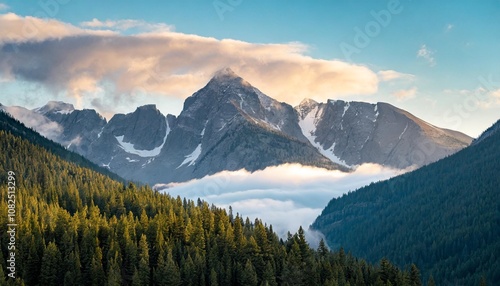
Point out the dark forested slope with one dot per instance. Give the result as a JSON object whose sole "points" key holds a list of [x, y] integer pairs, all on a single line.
{"points": [[444, 217], [9, 124]]}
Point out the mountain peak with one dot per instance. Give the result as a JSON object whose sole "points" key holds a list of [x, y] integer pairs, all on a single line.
{"points": [[308, 102], [305, 106], [225, 72], [148, 107], [56, 107]]}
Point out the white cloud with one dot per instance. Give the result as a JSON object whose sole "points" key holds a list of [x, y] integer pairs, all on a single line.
{"points": [[91, 64], [285, 196], [127, 24], [427, 55], [3, 7], [480, 97], [389, 75], [16, 29], [449, 27], [405, 94]]}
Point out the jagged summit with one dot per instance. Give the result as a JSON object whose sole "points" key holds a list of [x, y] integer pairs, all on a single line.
{"points": [[147, 106], [56, 107], [224, 73], [227, 76], [305, 106], [308, 101]]}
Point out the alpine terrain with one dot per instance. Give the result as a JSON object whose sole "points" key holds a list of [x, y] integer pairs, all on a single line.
{"points": [[231, 125]]}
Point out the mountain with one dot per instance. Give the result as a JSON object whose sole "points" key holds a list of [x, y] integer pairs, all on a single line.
{"points": [[357, 132], [231, 125], [444, 217], [75, 226]]}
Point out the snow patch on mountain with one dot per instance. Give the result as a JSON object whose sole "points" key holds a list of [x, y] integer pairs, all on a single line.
{"points": [[191, 158], [129, 147], [308, 127]]}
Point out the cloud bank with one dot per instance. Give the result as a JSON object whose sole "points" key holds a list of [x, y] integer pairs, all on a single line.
{"points": [[95, 63], [286, 196]]}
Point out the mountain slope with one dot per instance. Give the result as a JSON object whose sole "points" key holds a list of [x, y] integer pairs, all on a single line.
{"points": [[493, 129], [357, 132], [444, 217], [11, 125]]}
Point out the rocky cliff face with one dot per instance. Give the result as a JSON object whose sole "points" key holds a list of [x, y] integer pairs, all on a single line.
{"points": [[356, 132]]}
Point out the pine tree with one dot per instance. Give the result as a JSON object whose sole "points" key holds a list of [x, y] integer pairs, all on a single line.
{"points": [[269, 277], [73, 275], [431, 282], [248, 276], [213, 278], [167, 272], [114, 276], [415, 276], [144, 270], [51, 261]]}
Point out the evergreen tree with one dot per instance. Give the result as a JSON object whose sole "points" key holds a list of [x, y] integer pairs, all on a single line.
{"points": [[144, 270], [51, 261], [415, 276], [248, 276]]}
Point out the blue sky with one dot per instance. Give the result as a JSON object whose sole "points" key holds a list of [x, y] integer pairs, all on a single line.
{"points": [[436, 59]]}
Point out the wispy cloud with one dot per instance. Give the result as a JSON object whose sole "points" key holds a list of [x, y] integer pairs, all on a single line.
{"points": [[3, 7], [449, 27], [389, 75], [405, 94], [285, 196], [426, 54], [16, 30], [88, 63], [127, 24], [479, 97]]}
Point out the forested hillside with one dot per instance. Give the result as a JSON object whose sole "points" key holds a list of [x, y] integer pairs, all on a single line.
{"points": [[79, 227], [444, 217], [7, 123]]}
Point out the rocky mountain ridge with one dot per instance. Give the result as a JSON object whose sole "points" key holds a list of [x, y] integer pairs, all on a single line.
{"points": [[231, 125]]}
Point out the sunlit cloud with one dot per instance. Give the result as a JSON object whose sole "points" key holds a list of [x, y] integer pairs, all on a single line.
{"points": [[427, 55], [127, 24], [286, 196], [19, 30], [390, 75], [405, 94], [87, 64]]}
